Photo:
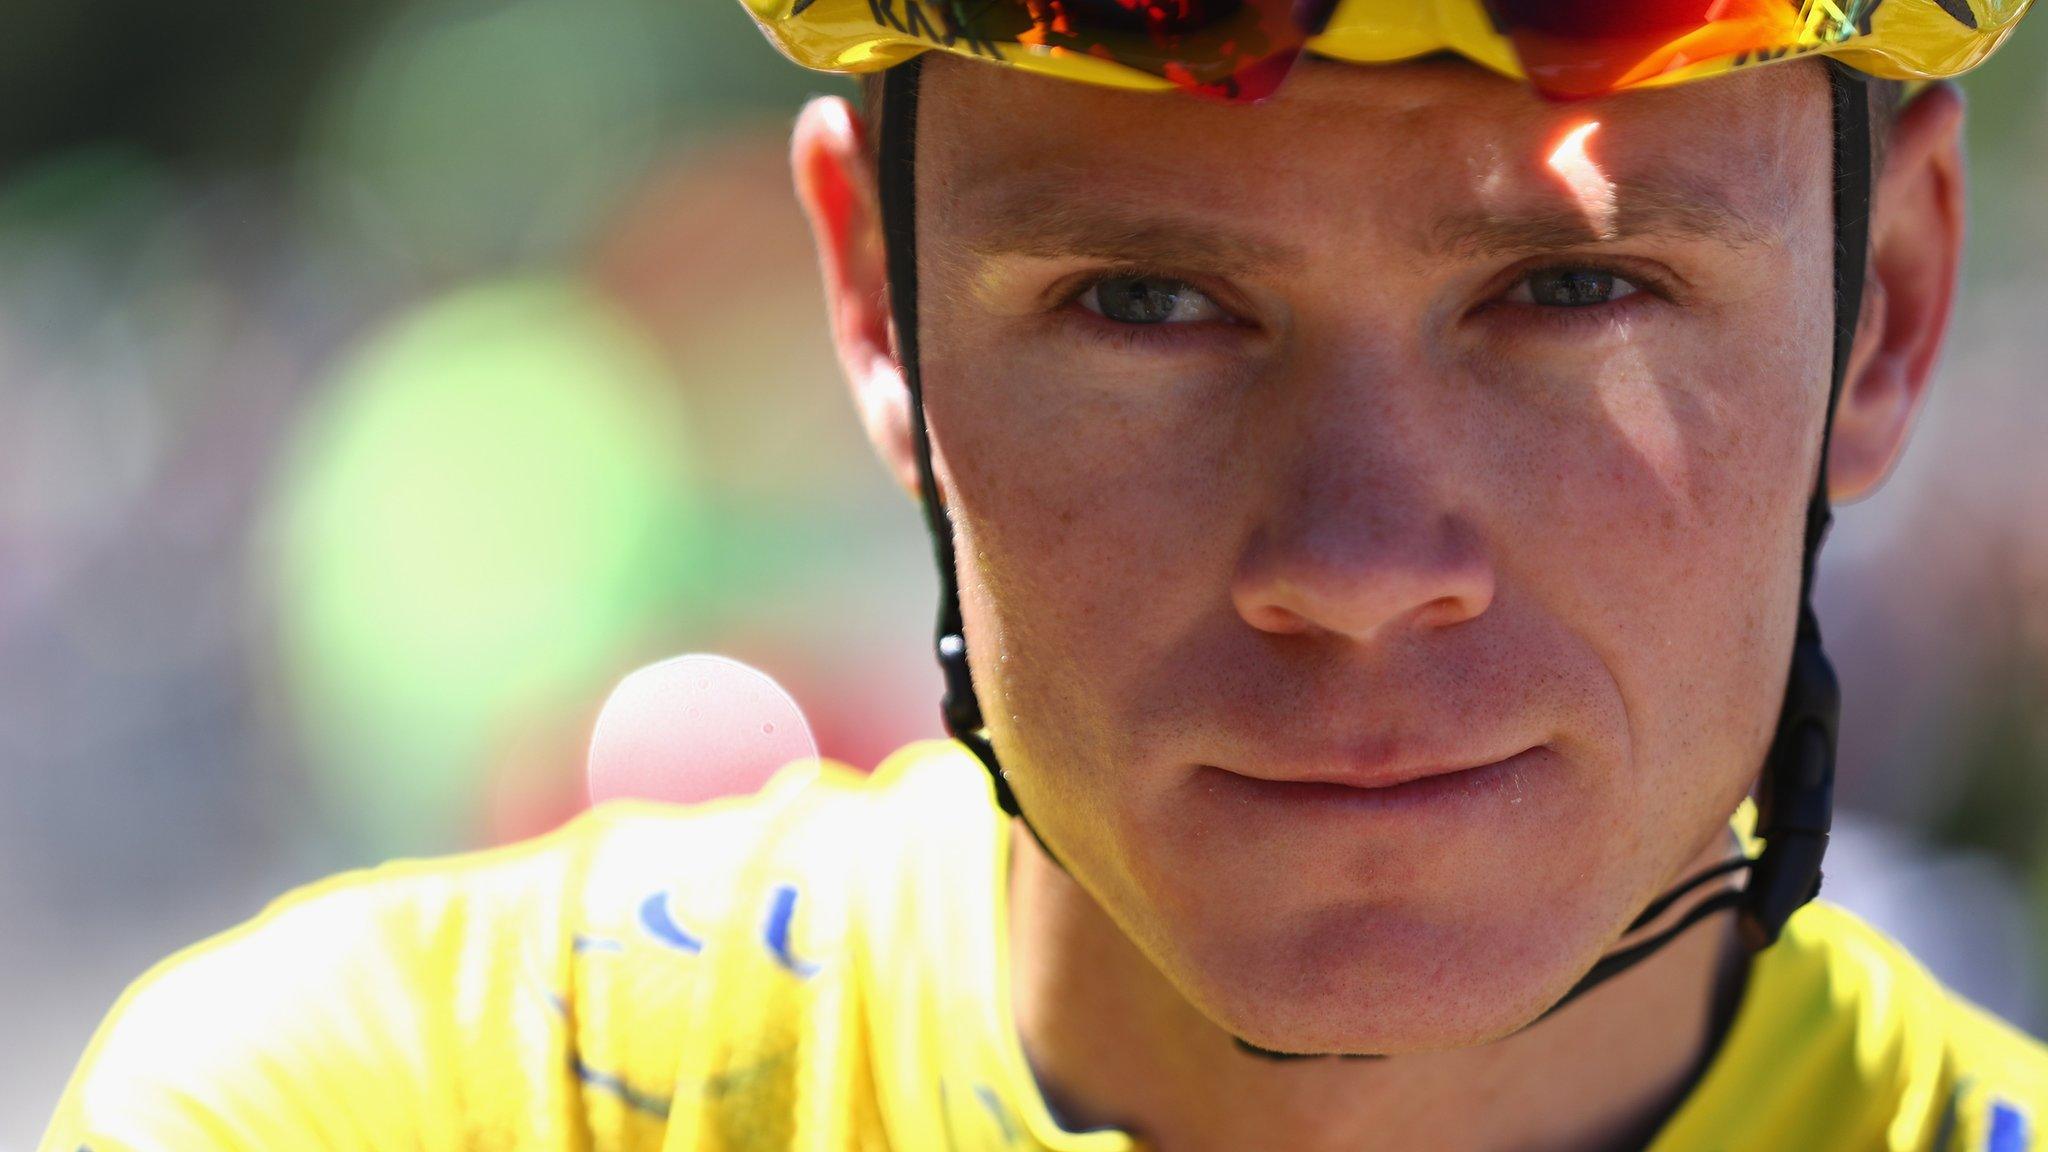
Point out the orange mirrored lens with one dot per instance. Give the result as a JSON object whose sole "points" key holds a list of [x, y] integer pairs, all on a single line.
{"points": [[1236, 50], [1579, 48]]}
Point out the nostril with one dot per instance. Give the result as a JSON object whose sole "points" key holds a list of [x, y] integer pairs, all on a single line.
{"points": [[1359, 583], [1468, 603], [1268, 616]]}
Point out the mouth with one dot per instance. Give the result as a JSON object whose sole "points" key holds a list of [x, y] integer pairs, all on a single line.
{"points": [[1384, 787]]}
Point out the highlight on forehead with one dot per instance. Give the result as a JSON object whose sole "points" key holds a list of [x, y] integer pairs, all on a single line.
{"points": [[1584, 180], [1624, 207]]}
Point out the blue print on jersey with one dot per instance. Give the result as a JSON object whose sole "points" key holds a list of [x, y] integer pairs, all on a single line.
{"points": [[613, 1085], [661, 924], [2008, 1129], [775, 932]]}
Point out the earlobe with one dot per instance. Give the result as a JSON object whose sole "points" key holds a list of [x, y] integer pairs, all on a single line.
{"points": [[836, 186], [1916, 254], [1875, 413]]}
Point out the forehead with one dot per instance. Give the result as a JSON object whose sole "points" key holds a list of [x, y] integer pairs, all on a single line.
{"points": [[1389, 151]]}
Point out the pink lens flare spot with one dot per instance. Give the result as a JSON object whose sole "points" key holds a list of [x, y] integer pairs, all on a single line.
{"points": [[695, 728]]}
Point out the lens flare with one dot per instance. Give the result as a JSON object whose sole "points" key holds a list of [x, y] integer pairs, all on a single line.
{"points": [[1584, 179]]}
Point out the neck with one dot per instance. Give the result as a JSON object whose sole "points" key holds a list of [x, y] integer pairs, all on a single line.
{"points": [[1114, 1045]]}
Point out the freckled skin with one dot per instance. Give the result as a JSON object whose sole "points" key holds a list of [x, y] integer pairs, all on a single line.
{"points": [[1381, 514]]}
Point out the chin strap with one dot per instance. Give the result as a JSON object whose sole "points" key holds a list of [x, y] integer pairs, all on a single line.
{"points": [[897, 180], [896, 154], [1796, 800], [1795, 792]]}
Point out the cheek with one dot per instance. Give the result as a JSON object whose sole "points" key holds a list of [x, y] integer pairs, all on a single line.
{"points": [[1098, 523], [1671, 539], [1092, 518]]}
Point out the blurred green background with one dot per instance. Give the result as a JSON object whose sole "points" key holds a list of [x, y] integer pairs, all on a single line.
{"points": [[381, 382]]}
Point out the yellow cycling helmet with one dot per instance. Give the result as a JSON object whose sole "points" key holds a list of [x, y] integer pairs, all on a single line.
{"points": [[1241, 49]]}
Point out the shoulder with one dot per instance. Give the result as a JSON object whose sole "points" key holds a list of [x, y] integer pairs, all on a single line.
{"points": [[714, 985], [318, 1015], [1881, 1054], [1862, 971], [515, 977]]}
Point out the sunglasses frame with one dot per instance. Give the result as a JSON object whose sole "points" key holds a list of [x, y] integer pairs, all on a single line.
{"points": [[1153, 45]]}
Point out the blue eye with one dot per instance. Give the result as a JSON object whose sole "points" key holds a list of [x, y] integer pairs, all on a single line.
{"points": [[1149, 300], [1571, 288]]}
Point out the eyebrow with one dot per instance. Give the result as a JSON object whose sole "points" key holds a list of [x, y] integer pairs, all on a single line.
{"points": [[1646, 208], [1050, 224]]}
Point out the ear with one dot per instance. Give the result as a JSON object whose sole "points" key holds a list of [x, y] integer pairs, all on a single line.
{"points": [[835, 181], [1916, 250]]}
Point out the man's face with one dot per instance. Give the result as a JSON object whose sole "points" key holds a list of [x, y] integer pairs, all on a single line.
{"points": [[1297, 451]]}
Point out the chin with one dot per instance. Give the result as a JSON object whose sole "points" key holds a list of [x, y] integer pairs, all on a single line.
{"points": [[1373, 987]]}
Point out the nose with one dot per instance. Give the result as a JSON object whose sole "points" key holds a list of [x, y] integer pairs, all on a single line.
{"points": [[1358, 553]]}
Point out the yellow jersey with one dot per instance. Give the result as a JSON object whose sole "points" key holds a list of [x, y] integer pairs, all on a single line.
{"points": [[823, 966]]}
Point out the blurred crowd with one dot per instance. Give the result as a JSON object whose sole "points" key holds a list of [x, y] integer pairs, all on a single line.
{"points": [[381, 382]]}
